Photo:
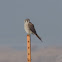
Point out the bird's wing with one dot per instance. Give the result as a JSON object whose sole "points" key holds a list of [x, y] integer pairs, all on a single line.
{"points": [[31, 27]]}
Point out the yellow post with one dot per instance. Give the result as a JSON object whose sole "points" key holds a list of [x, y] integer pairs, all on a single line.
{"points": [[28, 48]]}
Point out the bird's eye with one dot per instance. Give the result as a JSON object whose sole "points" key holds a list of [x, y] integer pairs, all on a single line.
{"points": [[27, 20]]}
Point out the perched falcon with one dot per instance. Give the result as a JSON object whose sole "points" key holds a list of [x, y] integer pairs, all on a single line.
{"points": [[29, 28]]}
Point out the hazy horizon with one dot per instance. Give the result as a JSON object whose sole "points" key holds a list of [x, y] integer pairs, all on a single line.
{"points": [[50, 54]]}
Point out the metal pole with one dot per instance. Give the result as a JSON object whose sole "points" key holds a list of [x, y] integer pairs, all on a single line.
{"points": [[28, 48]]}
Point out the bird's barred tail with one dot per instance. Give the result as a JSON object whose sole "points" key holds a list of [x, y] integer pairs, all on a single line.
{"points": [[38, 37]]}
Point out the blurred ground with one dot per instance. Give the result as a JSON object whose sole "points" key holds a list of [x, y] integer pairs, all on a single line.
{"points": [[51, 54]]}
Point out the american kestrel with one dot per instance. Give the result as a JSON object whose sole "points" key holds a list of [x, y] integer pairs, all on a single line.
{"points": [[29, 28]]}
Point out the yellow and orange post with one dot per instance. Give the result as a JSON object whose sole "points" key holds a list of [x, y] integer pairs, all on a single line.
{"points": [[28, 48]]}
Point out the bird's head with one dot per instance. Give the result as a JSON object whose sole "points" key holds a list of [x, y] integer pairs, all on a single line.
{"points": [[27, 20]]}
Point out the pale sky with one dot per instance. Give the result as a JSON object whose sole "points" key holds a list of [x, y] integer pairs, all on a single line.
{"points": [[46, 15]]}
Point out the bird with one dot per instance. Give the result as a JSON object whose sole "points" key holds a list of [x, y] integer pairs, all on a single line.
{"points": [[30, 29]]}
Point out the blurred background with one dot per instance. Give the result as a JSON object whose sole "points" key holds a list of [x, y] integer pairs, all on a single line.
{"points": [[46, 15]]}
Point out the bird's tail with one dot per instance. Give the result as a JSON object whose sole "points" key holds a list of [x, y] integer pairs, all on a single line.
{"points": [[38, 37]]}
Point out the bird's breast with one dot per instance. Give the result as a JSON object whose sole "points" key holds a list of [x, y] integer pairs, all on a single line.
{"points": [[26, 27]]}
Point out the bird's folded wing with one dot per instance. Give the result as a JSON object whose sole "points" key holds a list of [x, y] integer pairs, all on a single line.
{"points": [[31, 27]]}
